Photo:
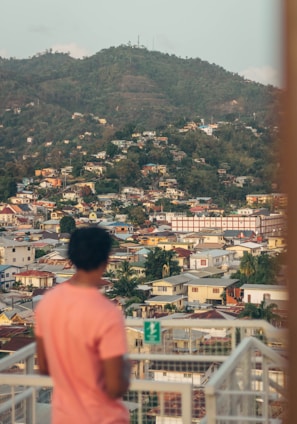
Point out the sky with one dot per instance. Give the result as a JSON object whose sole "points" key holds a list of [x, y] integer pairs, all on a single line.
{"points": [[242, 36]]}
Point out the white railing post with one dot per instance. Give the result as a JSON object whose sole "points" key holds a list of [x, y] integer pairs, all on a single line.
{"points": [[30, 403], [211, 405]]}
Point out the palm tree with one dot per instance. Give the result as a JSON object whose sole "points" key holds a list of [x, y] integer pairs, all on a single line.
{"points": [[125, 271], [248, 265], [260, 312]]}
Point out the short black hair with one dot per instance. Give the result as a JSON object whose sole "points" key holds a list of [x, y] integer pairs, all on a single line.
{"points": [[89, 247]]}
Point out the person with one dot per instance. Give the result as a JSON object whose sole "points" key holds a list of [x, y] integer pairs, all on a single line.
{"points": [[81, 341]]}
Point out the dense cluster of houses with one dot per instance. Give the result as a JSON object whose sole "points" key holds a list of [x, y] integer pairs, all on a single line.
{"points": [[208, 246]]}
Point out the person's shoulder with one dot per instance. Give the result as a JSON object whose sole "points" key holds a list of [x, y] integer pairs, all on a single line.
{"points": [[108, 305], [52, 293]]}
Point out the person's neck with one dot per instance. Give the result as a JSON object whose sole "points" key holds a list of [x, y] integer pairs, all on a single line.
{"points": [[84, 278]]}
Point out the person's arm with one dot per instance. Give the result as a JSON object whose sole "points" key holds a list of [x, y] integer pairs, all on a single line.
{"points": [[41, 357], [116, 376]]}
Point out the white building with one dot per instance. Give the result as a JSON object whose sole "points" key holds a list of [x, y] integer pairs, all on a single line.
{"points": [[255, 293], [260, 224], [16, 253]]}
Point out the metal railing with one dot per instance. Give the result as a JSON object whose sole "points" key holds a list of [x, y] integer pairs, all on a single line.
{"points": [[168, 382], [250, 387]]}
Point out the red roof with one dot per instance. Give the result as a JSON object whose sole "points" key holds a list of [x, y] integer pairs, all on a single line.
{"points": [[17, 343], [7, 211], [185, 253], [7, 332]]}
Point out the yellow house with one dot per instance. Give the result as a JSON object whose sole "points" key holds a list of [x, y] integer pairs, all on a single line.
{"points": [[254, 249], [170, 286], [36, 278], [208, 290], [275, 242], [177, 302], [10, 317]]}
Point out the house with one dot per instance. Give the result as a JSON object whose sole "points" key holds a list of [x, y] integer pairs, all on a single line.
{"points": [[256, 293], [11, 318], [16, 253], [118, 227], [208, 290], [212, 258], [7, 217], [239, 236], [254, 249], [57, 214], [177, 302], [182, 256], [51, 225], [83, 208], [276, 242], [170, 286], [7, 275], [35, 278]]}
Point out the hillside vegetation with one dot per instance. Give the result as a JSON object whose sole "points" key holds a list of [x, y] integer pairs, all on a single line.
{"points": [[134, 90]]}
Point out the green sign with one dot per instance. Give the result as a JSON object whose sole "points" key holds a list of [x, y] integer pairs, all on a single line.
{"points": [[152, 332]]}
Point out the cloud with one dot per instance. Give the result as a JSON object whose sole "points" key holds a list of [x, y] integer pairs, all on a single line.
{"points": [[73, 49], [265, 75]]}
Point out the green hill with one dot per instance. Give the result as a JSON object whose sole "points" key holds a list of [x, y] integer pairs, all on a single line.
{"points": [[136, 90], [127, 84]]}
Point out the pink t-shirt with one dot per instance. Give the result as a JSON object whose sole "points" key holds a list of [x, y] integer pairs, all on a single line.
{"points": [[80, 327]]}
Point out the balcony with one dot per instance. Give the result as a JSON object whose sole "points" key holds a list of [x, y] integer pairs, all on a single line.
{"points": [[211, 372]]}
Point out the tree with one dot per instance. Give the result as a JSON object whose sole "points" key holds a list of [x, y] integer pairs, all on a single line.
{"points": [[39, 253], [126, 284], [160, 264], [260, 312], [137, 215], [125, 271], [248, 265], [112, 150], [262, 269], [67, 224]]}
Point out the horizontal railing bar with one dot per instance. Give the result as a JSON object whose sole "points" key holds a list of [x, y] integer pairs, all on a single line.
{"points": [[210, 323], [20, 397], [241, 419], [163, 386], [242, 392], [26, 380], [20, 355], [177, 357]]}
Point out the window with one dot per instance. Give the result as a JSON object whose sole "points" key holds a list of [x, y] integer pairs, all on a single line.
{"points": [[29, 248], [162, 289], [164, 373], [195, 290], [13, 249], [187, 375], [14, 260], [29, 258], [216, 290], [203, 262]]}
